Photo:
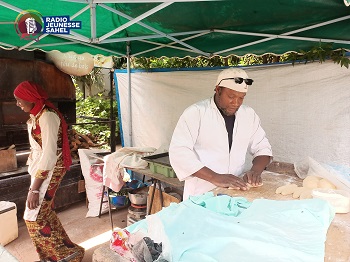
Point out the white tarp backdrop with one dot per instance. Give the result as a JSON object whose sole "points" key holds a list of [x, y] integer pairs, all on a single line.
{"points": [[304, 109]]}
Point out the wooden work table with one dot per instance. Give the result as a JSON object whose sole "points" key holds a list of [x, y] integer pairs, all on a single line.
{"points": [[338, 235]]}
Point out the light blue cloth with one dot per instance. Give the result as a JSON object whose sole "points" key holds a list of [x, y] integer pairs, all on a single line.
{"points": [[207, 228]]}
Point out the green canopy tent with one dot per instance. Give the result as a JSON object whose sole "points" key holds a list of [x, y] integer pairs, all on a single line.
{"points": [[180, 28]]}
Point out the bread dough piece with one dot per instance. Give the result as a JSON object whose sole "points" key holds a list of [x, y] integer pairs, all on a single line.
{"points": [[286, 189], [259, 185], [289, 189], [311, 182], [306, 194], [248, 186], [325, 183], [297, 192]]}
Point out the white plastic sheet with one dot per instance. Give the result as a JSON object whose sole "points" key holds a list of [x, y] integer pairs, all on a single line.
{"points": [[310, 167], [304, 109]]}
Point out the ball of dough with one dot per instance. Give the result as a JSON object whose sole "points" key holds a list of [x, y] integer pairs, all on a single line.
{"points": [[297, 192], [325, 183], [306, 194], [286, 189], [311, 182]]}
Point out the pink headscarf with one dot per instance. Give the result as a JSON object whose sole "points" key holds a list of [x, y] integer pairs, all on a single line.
{"points": [[32, 92]]}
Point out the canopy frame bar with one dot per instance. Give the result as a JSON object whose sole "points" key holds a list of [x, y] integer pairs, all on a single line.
{"points": [[135, 20], [195, 50], [140, 38], [287, 35], [171, 44]]}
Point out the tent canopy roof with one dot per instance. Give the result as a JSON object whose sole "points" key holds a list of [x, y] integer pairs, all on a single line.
{"points": [[180, 28]]}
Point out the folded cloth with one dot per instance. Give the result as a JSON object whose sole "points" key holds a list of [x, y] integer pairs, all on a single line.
{"points": [[114, 164]]}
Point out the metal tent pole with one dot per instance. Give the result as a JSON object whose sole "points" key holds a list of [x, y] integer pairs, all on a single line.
{"points": [[112, 115], [129, 93]]}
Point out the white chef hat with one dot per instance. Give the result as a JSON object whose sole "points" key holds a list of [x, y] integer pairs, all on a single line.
{"points": [[235, 79]]}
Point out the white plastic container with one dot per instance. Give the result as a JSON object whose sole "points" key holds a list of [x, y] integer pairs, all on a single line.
{"points": [[8, 222], [339, 199]]}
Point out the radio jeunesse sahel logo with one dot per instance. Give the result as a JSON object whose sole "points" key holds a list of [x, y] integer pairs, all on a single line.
{"points": [[30, 25]]}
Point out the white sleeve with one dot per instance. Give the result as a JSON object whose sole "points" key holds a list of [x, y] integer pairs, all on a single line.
{"points": [[183, 158], [49, 123], [259, 144]]}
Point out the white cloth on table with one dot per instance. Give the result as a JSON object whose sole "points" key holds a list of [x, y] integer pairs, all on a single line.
{"points": [[207, 228], [114, 164]]}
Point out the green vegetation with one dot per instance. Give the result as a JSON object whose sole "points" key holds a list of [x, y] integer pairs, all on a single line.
{"points": [[320, 52], [95, 109]]}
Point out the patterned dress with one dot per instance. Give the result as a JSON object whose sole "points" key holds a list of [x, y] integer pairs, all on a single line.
{"points": [[45, 229]]}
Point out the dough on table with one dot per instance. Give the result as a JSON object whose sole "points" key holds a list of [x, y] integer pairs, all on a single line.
{"points": [[286, 189], [325, 183], [248, 185], [311, 182], [306, 194], [259, 185], [297, 192]]}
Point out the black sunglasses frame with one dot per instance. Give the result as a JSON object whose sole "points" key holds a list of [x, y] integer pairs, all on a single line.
{"points": [[239, 80]]}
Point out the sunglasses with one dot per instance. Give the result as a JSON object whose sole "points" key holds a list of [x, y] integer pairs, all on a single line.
{"points": [[239, 80]]}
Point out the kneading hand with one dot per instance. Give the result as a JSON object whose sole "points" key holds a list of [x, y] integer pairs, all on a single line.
{"points": [[253, 178], [231, 181]]}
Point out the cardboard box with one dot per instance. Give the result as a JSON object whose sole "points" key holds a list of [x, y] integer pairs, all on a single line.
{"points": [[8, 222], [8, 160]]}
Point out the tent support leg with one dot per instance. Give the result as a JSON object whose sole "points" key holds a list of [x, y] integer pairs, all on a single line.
{"points": [[129, 94]]}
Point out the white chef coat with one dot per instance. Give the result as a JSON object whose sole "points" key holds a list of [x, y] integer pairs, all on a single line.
{"points": [[200, 139]]}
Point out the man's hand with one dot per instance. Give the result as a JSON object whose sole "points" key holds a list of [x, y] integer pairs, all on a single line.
{"points": [[230, 181], [221, 180], [253, 178]]}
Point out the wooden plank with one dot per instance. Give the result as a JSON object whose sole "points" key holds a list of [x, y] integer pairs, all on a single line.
{"points": [[8, 160], [156, 205]]}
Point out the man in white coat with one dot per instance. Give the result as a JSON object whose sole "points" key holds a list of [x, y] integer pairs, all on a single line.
{"points": [[212, 137]]}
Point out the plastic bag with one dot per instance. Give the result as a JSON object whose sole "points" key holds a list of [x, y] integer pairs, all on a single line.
{"points": [[301, 168], [310, 167]]}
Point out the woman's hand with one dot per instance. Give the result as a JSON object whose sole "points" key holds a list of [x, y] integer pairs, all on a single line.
{"points": [[32, 200]]}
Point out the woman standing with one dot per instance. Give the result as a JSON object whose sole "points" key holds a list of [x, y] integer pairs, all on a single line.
{"points": [[47, 164]]}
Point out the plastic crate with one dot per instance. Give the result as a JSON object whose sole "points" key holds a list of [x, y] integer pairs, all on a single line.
{"points": [[162, 169], [160, 164]]}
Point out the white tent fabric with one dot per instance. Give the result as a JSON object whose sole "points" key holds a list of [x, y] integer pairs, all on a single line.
{"points": [[304, 109]]}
